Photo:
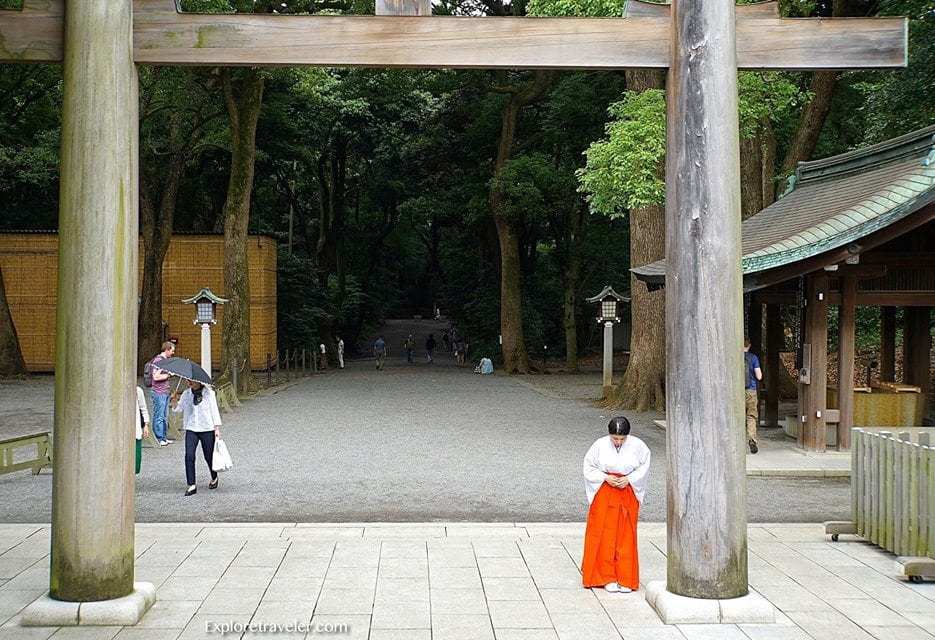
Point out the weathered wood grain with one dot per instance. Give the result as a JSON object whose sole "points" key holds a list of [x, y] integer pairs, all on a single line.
{"points": [[92, 507], [812, 396], [163, 36], [705, 439], [403, 7]]}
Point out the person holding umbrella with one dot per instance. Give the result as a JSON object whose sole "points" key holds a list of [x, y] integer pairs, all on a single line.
{"points": [[201, 418]]}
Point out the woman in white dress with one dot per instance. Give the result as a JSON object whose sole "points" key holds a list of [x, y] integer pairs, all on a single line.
{"points": [[615, 471]]}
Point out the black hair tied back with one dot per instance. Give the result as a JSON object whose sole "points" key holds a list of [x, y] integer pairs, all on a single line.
{"points": [[618, 426]]}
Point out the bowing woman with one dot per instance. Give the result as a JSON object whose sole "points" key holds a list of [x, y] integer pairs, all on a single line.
{"points": [[615, 470]]}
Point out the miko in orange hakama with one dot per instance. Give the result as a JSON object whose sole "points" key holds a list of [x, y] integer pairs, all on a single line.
{"points": [[615, 471]]}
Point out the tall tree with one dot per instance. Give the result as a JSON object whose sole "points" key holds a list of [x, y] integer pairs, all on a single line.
{"points": [[243, 94], [515, 354], [176, 117]]}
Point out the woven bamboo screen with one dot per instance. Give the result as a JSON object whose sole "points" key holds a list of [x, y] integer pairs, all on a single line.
{"points": [[30, 261]]}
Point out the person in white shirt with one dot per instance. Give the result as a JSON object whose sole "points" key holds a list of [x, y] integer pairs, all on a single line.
{"points": [[340, 353], [202, 423], [615, 474], [142, 426], [323, 354]]}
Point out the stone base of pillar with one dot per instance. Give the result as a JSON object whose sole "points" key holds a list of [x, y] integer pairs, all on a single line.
{"points": [[675, 609], [123, 612]]}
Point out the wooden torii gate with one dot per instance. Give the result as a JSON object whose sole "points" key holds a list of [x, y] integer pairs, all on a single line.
{"points": [[701, 43]]}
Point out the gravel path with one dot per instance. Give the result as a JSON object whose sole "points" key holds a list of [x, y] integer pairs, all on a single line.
{"points": [[412, 443]]}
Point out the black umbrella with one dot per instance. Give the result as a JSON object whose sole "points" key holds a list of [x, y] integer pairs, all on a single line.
{"points": [[184, 368]]}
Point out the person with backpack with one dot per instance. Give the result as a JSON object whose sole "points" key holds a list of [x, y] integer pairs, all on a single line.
{"points": [[752, 374], [158, 381], [379, 352]]}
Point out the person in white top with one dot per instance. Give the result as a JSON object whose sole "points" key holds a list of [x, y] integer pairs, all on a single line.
{"points": [[615, 473], [142, 425], [323, 355], [202, 422], [340, 353]]}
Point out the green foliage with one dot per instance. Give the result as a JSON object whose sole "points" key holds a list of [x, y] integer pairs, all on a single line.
{"points": [[576, 8], [622, 170], [14, 5], [771, 96]]}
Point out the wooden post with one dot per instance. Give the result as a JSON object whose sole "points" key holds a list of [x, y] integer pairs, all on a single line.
{"points": [[92, 484], [813, 387], [775, 341], [314, 356], [917, 348], [888, 344], [403, 8], [269, 369], [304, 369], [707, 522], [846, 336]]}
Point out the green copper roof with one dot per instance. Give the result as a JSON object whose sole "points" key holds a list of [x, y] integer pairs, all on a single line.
{"points": [[836, 201]]}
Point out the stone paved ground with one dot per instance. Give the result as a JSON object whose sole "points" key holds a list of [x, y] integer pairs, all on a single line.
{"points": [[412, 443], [464, 581]]}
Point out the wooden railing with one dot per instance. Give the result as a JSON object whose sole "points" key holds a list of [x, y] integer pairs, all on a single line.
{"points": [[42, 458], [893, 493]]}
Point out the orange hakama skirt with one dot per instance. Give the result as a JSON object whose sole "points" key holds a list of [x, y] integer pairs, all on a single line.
{"points": [[610, 551]]}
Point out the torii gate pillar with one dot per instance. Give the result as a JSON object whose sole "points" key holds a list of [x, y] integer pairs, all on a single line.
{"points": [[706, 482], [92, 552]]}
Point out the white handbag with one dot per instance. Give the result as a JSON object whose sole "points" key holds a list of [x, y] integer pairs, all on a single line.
{"points": [[221, 460]]}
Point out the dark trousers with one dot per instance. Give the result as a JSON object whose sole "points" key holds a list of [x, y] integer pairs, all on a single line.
{"points": [[192, 438]]}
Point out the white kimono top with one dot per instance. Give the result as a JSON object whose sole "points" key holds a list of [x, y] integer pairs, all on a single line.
{"points": [[632, 461]]}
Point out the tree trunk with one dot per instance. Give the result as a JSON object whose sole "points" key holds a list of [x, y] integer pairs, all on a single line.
{"points": [[812, 120], [515, 355], [11, 357], [571, 281], [751, 176], [643, 385], [156, 229], [244, 110]]}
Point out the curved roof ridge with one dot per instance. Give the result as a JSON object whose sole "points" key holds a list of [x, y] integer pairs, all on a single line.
{"points": [[919, 142]]}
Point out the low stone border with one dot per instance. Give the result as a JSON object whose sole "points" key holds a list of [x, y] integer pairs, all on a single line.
{"points": [[675, 609]]}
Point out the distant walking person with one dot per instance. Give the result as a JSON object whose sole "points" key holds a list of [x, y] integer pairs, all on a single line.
{"points": [[410, 346], [379, 351], [752, 374], [340, 353], [430, 345], [615, 471], [160, 387], [141, 426], [460, 348], [202, 422], [323, 354]]}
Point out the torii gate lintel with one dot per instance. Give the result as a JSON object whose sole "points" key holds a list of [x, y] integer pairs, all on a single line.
{"points": [[164, 36]]}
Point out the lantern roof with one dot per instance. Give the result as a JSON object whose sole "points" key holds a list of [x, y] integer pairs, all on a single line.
{"points": [[608, 292], [205, 294]]}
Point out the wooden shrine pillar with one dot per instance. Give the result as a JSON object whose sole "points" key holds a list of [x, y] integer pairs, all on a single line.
{"points": [[773, 370], [95, 361], [403, 8], [888, 344], [707, 522], [917, 348], [846, 335], [813, 379]]}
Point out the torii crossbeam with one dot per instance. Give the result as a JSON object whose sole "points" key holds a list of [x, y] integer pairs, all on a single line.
{"points": [[163, 36], [702, 43]]}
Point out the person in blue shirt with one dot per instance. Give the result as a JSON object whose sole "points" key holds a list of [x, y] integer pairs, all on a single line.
{"points": [[752, 375], [379, 351]]}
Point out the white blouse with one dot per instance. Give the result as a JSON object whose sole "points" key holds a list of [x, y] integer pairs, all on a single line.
{"points": [[141, 409], [632, 460], [202, 416]]}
